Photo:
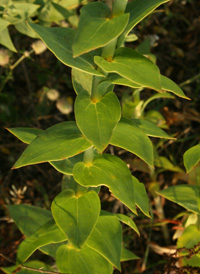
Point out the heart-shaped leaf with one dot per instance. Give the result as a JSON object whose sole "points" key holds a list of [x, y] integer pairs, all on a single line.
{"points": [[96, 28], [108, 170], [58, 142], [76, 215], [85, 260], [97, 119], [106, 239]]}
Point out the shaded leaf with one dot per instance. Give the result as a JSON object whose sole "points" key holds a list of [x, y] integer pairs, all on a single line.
{"points": [[81, 81], [128, 221], [141, 198], [127, 255], [129, 136], [108, 170], [76, 215], [191, 157], [58, 142], [97, 119], [183, 195], [48, 233]]}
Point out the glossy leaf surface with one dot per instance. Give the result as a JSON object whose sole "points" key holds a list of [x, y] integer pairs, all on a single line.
{"points": [[59, 41], [48, 233], [58, 142], [97, 119], [184, 195], [106, 239], [133, 66], [129, 136], [76, 215], [96, 28], [191, 157], [85, 260], [108, 170]]}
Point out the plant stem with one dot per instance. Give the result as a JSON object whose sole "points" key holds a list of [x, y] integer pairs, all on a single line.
{"points": [[119, 7], [88, 155]]}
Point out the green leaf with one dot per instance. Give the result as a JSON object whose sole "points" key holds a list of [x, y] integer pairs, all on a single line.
{"points": [[33, 264], [127, 255], [118, 80], [6, 41], [165, 164], [25, 10], [141, 198], [66, 166], [48, 233], [85, 260], [130, 137], [128, 221], [81, 81], [3, 24], [59, 41], [26, 135], [169, 85], [97, 119], [151, 129], [191, 157], [133, 66], [157, 96], [189, 238], [106, 239], [58, 142], [183, 195], [108, 170], [29, 218], [76, 214], [96, 28], [25, 29], [139, 10]]}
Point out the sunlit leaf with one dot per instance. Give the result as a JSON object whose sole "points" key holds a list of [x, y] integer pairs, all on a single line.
{"points": [[191, 157]]}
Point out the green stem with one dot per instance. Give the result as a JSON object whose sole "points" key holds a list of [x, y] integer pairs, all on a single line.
{"points": [[88, 156], [119, 7]]}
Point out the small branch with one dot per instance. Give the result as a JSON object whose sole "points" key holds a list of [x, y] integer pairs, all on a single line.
{"points": [[30, 268]]}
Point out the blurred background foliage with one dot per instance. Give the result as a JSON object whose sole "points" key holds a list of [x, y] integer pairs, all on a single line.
{"points": [[36, 91]]}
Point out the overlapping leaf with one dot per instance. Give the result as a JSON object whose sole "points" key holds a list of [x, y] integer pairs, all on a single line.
{"points": [[133, 66], [186, 196], [76, 215], [106, 239], [48, 233], [85, 260], [191, 157], [108, 170], [58, 142], [59, 41], [130, 137], [96, 28], [169, 85], [97, 119], [26, 135]]}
